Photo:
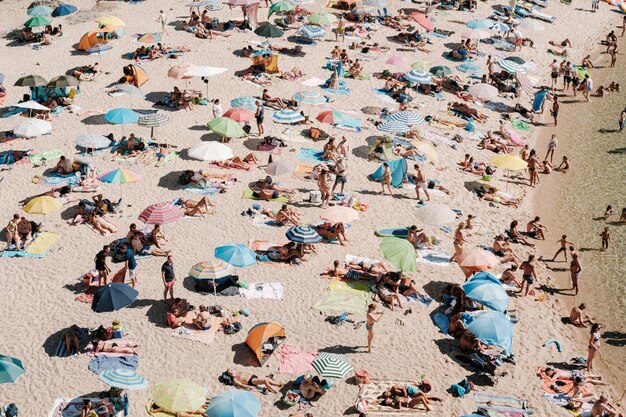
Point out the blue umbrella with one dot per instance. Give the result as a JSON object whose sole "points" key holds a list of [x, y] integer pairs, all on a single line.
{"points": [[485, 276], [64, 10], [393, 127], [312, 31], [491, 327], [480, 24], [303, 234], [236, 254], [121, 116], [10, 369], [246, 102], [470, 68], [500, 27], [487, 293], [288, 117], [235, 403], [407, 117], [418, 76], [113, 297]]}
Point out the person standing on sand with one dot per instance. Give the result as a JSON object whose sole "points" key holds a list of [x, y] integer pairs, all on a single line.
{"points": [[386, 181], [554, 73], [574, 269], [622, 120], [130, 264], [163, 20], [420, 182], [594, 345], [528, 274], [606, 238], [259, 115], [613, 57], [372, 318], [594, 5], [101, 265], [552, 144], [341, 29], [459, 239], [587, 86], [168, 277], [555, 109], [564, 242]]}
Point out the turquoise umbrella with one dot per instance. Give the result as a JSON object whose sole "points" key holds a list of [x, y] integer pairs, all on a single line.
{"points": [[490, 294], [280, 7], [235, 403], [123, 378], [37, 21], [10, 369], [491, 327], [236, 254], [39, 11], [121, 116], [247, 102]]}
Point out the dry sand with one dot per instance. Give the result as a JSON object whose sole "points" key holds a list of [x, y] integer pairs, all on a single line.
{"points": [[39, 293]]}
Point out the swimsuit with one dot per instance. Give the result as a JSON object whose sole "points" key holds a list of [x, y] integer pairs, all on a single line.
{"points": [[369, 327], [528, 278], [252, 384]]}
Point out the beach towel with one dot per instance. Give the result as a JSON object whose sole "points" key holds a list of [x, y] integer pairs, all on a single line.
{"points": [[71, 407], [261, 220], [38, 248], [248, 195], [309, 154], [538, 100], [348, 286], [191, 332], [370, 393], [102, 363], [62, 352], [303, 170], [354, 302], [313, 82], [342, 90], [501, 406], [442, 321], [202, 191], [264, 290], [156, 414], [293, 361], [40, 158], [57, 179], [520, 125], [434, 256]]}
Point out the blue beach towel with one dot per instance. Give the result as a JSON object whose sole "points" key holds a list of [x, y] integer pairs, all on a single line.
{"points": [[62, 352], [442, 321], [309, 154], [202, 191], [100, 364]]}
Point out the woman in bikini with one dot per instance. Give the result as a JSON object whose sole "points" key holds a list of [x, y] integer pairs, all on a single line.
{"points": [[372, 318], [386, 182], [157, 237], [459, 239], [201, 207], [324, 188], [331, 231], [123, 347]]}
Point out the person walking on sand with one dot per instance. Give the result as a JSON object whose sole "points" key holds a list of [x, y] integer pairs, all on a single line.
{"points": [[259, 115], [564, 242], [101, 265], [587, 86], [552, 144], [606, 238], [420, 182], [528, 274], [341, 29], [574, 269], [622, 120], [386, 181], [168, 277], [372, 318], [130, 263], [555, 109], [163, 20], [459, 239]]}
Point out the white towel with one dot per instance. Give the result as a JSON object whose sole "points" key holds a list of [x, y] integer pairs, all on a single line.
{"points": [[265, 290]]}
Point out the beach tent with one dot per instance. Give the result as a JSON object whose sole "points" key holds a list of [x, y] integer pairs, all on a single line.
{"points": [[88, 40], [259, 335], [271, 66], [135, 75], [398, 170]]}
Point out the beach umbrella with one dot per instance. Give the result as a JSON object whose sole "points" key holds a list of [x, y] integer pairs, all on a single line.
{"points": [[32, 127], [396, 60], [470, 68], [489, 294], [399, 252], [10, 369], [418, 76], [234, 403], [212, 269], [204, 71], [286, 116], [92, 141], [119, 176], [479, 24], [331, 365], [149, 38], [226, 127], [280, 167], [247, 102], [500, 27], [99, 48], [121, 116], [516, 59], [509, 162], [110, 21], [478, 259], [32, 105], [62, 81], [424, 21], [363, 9], [153, 121], [37, 21], [622, 7], [236, 254], [375, 3], [239, 114], [43, 205], [213, 5], [178, 395], [123, 378], [485, 276], [533, 25], [434, 214], [407, 117], [483, 91], [427, 150], [311, 98], [441, 70], [279, 7], [491, 327], [422, 64], [312, 31], [242, 3], [113, 297], [475, 34], [39, 11], [302, 2], [160, 213], [332, 117], [179, 72], [393, 127], [30, 81], [210, 151], [267, 30], [510, 66], [303, 234], [340, 214], [64, 10], [322, 18]]}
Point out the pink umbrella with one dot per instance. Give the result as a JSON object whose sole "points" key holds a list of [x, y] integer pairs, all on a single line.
{"points": [[160, 213], [423, 21], [396, 60], [178, 72], [239, 114]]}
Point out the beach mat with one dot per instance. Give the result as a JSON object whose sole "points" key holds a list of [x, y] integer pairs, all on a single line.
{"points": [[370, 393], [309, 154], [263, 290], [354, 302], [99, 364], [502, 406], [40, 158], [191, 332], [248, 195], [38, 248], [293, 361], [401, 232], [349, 286], [71, 407], [202, 191]]}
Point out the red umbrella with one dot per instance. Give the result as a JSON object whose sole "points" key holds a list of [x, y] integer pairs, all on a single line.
{"points": [[239, 114], [160, 213], [423, 21], [331, 117]]}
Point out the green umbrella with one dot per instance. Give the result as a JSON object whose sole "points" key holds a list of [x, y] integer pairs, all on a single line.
{"points": [[268, 30], [399, 252], [39, 11], [440, 70], [37, 21], [226, 127], [322, 19], [10, 369], [281, 6]]}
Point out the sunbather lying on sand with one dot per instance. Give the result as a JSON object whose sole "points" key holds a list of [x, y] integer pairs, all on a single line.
{"points": [[465, 110], [400, 284], [101, 225], [247, 163], [117, 347], [290, 75], [407, 397], [201, 207], [248, 381], [492, 196], [387, 296], [284, 253], [332, 231], [587, 377], [312, 386]]}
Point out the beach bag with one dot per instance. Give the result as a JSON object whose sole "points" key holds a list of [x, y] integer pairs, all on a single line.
{"points": [[11, 410], [291, 398], [185, 177], [362, 377], [315, 133], [315, 197]]}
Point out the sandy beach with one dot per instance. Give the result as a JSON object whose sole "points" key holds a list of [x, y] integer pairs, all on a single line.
{"points": [[41, 293]]}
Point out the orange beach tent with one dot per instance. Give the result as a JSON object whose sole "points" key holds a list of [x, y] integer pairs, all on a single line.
{"points": [[135, 75], [88, 40], [260, 334]]}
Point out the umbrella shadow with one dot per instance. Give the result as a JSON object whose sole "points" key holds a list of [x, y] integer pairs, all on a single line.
{"points": [[169, 181], [471, 186], [189, 283], [157, 314], [95, 119], [243, 355], [211, 137], [51, 344], [201, 128], [252, 143], [68, 213], [76, 288], [156, 96], [434, 288], [617, 151]]}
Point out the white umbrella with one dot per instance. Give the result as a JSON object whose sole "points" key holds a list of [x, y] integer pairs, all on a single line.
{"points": [[129, 89], [532, 25], [32, 127], [435, 214], [205, 71], [92, 141], [483, 91], [475, 34], [32, 105], [210, 151]]}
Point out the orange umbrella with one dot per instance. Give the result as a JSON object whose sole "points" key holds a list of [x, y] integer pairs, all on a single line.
{"points": [[340, 214], [261, 333], [478, 259]]}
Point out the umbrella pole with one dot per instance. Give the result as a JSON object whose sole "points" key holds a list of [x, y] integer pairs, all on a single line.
{"points": [[152, 133]]}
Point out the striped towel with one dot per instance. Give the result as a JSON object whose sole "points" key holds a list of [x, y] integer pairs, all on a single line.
{"points": [[62, 352]]}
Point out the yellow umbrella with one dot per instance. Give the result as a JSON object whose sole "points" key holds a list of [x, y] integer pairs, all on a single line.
{"points": [[422, 64], [509, 162], [42, 205], [427, 150], [110, 20]]}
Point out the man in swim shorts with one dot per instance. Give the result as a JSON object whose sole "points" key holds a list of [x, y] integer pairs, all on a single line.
{"points": [[528, 274]]}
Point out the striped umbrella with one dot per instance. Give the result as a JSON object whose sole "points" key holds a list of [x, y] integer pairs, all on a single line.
{"points": [[375, 3], [303, 234], [479, 24], [10, 369], [153, 120], [470, 68], [160, 213], [312, 98], [92, 141], [288, 117], [213, 269], [239, 114], [407, 117], [331, 365], [129, 89], [279, 7], [123, 378], [418, 76], [525, 83], [214, 5], [393, 127], [500, 27], [312, 31], [149, 38], [511, 66], [246, 102], [236, 254]]}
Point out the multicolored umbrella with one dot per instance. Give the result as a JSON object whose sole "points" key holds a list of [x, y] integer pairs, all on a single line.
{"points": [[303, 234], [311, 98], [333, 117], [37, 21], [331, 365], [400, 253], [149, 38], [210, 151], [239, 114], [10, 369], [322, 18], [312, 31], [235, 403], [178, 395], [110, 21], [119, 176], [435, 214], [418, 76], [340, 214], [212, 269], [247, 102], [407, 117], [160, 213], [113, 297], [286, 116], [123, 379], [226, 127], [236, 254], [92, 141], [64, 10], [393, 126], [39, 11]]}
